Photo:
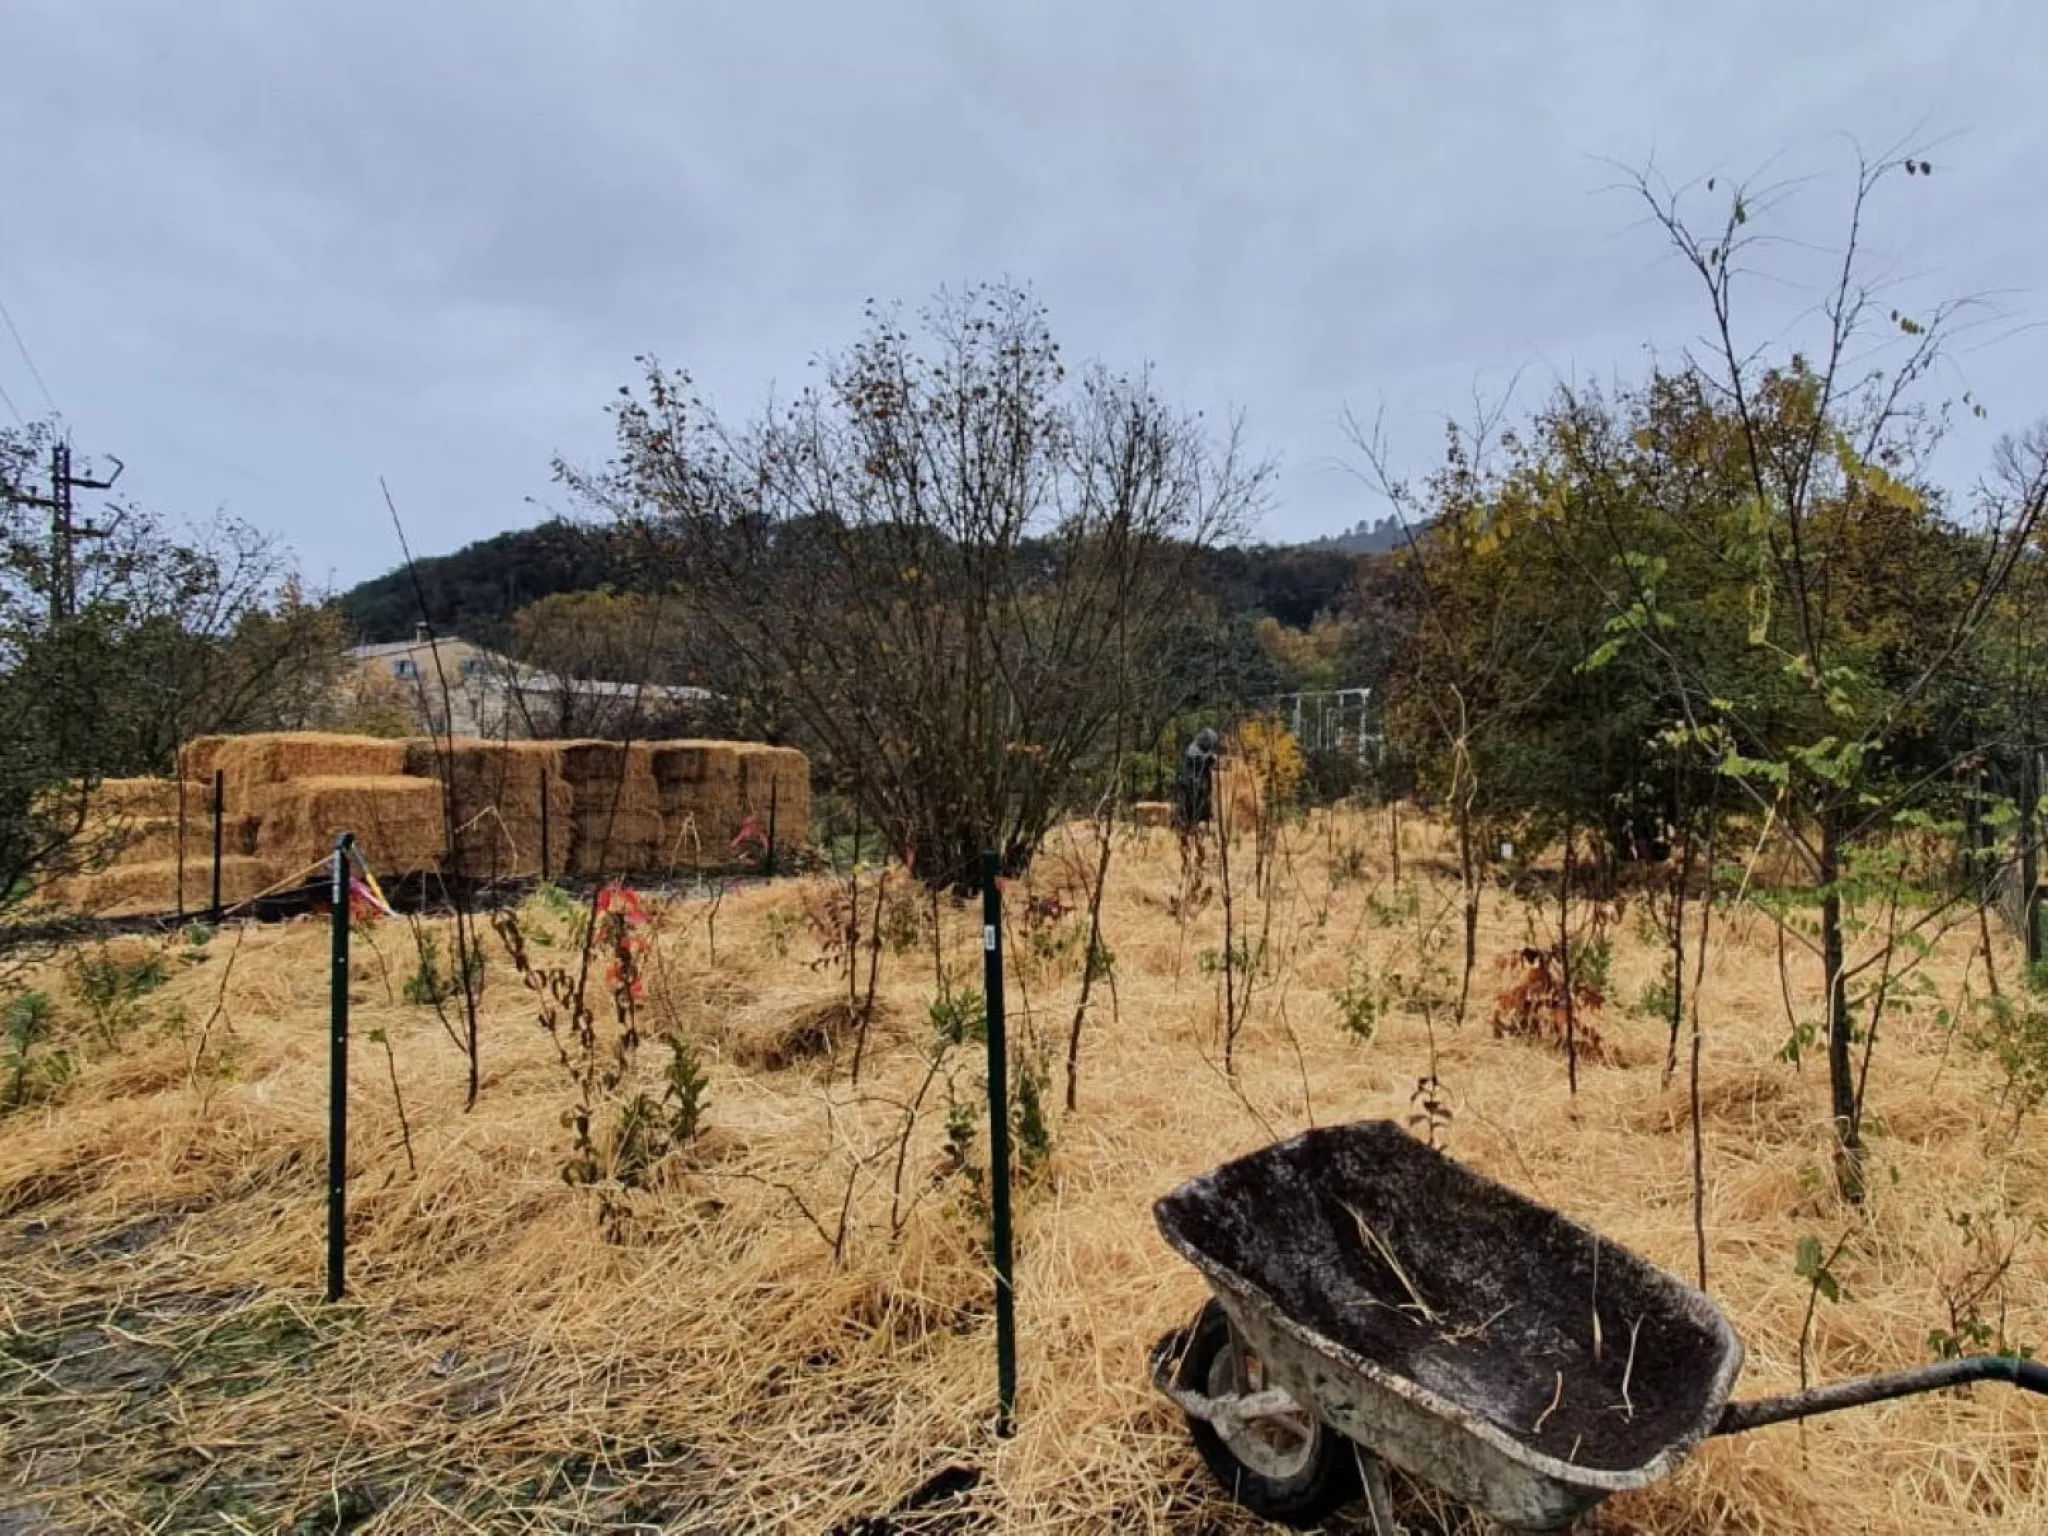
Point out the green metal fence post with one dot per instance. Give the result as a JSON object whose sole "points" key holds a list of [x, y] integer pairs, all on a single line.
{"points": [[337, 1077], [999, 1142]]}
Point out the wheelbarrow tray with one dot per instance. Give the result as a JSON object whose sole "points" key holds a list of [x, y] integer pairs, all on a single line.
{"points": [[1447, 1323]]}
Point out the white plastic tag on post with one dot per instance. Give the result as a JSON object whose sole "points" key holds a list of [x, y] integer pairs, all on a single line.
{"points": [[988, 937]]}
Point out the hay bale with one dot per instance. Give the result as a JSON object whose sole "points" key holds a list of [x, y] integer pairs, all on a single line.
{"points": [[140, 799], [138, 841], [608, 775], [1153, 813], [135, 890], [248, 764], [618, 843], [500, 773], [135, 821], [613, 807], [697, 787], [201, 756], [700, 835], [686, 772], [398, 821], [776, 780], [707, 790], [313, 754], [497, 788], [245, 765]]}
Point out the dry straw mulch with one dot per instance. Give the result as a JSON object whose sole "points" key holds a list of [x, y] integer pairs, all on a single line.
{"points": [[166, 1363]]}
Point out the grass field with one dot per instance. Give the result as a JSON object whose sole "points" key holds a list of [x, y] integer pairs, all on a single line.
{"points": [[167, 1363]]}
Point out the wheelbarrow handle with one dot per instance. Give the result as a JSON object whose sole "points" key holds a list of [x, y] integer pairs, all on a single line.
{"points": [[2025, 1374]]}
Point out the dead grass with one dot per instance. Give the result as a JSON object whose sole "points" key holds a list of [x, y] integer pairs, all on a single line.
{"points": [[166, 1363]]}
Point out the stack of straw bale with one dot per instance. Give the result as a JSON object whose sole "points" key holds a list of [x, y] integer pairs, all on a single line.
{"points": [[707, 790], [303, 787], [496, 789], [139, 799], [697, 788], [777, 779], [618, 825], [153, 886], [612, 809], [135, 821], [397, 821], [126, 859], [248, 764]]}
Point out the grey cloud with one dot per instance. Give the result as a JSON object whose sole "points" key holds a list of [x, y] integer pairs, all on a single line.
{"points": [[269, 252]]}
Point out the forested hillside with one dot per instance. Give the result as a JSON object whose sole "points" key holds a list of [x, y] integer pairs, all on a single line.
{"points": [[477, 590]]}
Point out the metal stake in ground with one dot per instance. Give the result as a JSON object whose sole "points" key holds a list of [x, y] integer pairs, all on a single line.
{"points": [[337, 1077], [2030, 855], [220, 780], [999, 1141], [544, 871]]}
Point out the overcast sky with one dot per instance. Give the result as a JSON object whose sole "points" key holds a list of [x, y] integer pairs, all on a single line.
{"points": [[268, 251]]}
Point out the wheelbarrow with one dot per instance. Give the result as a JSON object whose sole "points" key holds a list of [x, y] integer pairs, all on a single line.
{"points": [[1377, 1304]]}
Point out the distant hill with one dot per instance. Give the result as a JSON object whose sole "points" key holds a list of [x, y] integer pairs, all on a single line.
{"points": [[1366, 538], [475, 591]]}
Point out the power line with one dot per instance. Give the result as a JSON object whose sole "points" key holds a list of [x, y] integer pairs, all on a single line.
{"points": [[22, 347], [13, 409]]}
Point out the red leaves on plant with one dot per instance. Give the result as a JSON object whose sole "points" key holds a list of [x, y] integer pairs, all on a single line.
{"points": [[1533, 1007], [750, 838], [617, 900], [619, 911], [1049, 908]]}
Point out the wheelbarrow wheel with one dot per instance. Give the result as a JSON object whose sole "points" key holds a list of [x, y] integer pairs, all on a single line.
{"points": [[1291, 1468]]}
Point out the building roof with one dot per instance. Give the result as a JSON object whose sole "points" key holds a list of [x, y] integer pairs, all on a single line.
{"points": [[403, 647], [525, 679]]}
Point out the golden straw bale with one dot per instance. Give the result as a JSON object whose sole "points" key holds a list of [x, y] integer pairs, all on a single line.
{"points": [[144, 799], [617, 843], [698, 833], [776, 780], [708, 789], [201, 756], [687, 773], [398, 821], [133, 840], [497, 788], [504, 842], [697, 786], [131, 890], [247, 764], [609, 775], [315, 754], [499, 773]]}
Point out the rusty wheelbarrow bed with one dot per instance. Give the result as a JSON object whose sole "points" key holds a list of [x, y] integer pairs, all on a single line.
{"points": [[1448, 1324], [1479, 1341]]}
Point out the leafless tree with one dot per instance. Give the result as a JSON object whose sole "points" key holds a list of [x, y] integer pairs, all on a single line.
{"points": [[935, 562]]}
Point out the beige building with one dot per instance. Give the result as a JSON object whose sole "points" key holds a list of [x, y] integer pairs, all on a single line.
{"points": [[443, 685]]}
